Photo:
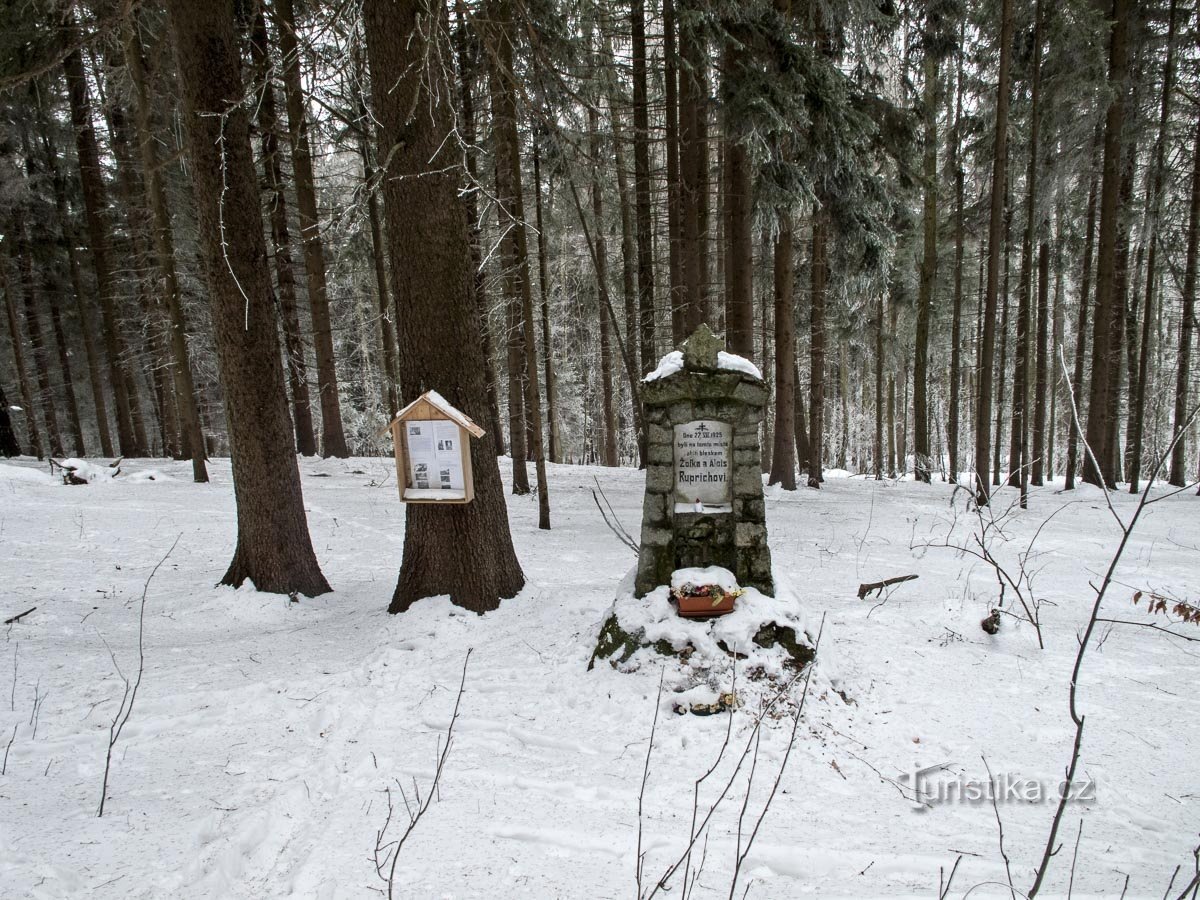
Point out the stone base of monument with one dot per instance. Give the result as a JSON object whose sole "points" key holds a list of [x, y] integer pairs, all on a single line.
{"points": [[764, 640]]}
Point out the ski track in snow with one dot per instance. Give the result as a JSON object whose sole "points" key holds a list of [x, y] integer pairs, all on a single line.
{"points": [[266, 732]]}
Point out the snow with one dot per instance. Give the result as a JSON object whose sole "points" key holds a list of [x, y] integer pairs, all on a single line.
{"points": [[92, 473], [672, 363], [450, 411], [667, 366], [731, 362], [717, 575], [266, 731]]}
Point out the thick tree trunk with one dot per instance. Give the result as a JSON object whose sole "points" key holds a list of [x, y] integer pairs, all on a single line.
{"points": [[783, 459], [274, 549], [464, 550], [1106, 349], [95, 207], [333, 438], [281, 242], [922, 458], [1038, 461], [164, 250], [879, 401], [642, 196], [1187, 324], [987, 347]]}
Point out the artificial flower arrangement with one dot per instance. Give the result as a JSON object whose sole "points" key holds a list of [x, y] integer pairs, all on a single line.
{"points": [[700, 600]]}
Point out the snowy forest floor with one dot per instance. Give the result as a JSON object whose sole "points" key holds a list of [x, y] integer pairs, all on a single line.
{"points": [[265, 732]]}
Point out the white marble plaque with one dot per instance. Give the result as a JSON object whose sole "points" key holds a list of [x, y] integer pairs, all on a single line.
{"points": [[703, 465]]}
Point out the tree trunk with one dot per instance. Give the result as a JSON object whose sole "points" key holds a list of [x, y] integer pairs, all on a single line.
{"points": [[164, 250], [95, 208], [281, 241], [467, 66], [274, 549], [953, 427], [1187, 324], [608, 408], [987, 348], [37, 344], [8, 437], [642, 196], [1154, 213], [1106, 350], [514, 246], [554, 437], [816, 412], [1038, 460], [69, 239], [333, 438], [676, 292], [879, 401], [783, 459], [14, 333], [464, 550], [922, 459], [739, 301], [693, 179], [1081, 330]]}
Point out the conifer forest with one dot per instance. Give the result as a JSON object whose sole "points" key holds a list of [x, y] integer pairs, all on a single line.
{"points": [[596, 448]]}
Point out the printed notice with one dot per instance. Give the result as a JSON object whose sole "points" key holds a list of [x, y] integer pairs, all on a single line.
{"points": [[702, 463], [435, 456]]}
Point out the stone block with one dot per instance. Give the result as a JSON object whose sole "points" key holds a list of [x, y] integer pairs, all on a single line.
{"points": [[659, 479], [750, 534]]}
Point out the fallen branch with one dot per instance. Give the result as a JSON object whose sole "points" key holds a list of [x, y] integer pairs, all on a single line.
{"points": [[19, 616], [865, 589], [614, 526]]}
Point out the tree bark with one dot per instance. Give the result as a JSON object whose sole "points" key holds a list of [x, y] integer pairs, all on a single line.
{"points": [[37, 344], [1154, 213], [515, 246], [1187, 323], [274, 549], [922, 458], [467, 66], [333, 438], [783, 459], [739, 301], [69, 239], [642, 195], [281, 241], [953, 427], [554, 437], [676, 291], [464, 550], [9, 446], [14, 333], [608, 408], [693, 164], [987, 348], [164, 250], [816, 412], [1106, 349], [95, 208], [1081, 330]]}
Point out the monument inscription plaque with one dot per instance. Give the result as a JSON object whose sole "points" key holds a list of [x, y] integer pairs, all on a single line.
{"points": [[703, 451]]}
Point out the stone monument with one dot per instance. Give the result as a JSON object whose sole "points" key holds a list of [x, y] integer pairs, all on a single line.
{"points": [[704, 494]]}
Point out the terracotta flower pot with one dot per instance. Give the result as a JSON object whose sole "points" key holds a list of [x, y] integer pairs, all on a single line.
{"points": [[705, 601]]}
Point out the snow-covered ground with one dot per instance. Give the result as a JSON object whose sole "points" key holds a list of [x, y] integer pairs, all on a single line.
{"points": [[265, 732]]}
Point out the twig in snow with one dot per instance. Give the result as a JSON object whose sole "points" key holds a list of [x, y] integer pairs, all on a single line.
{"points": [[130, 694], [4, 766], [1000, 828], [614, 526], [944, 885], [19, 616], [645, 777], [387, 856], [864, 589]]}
